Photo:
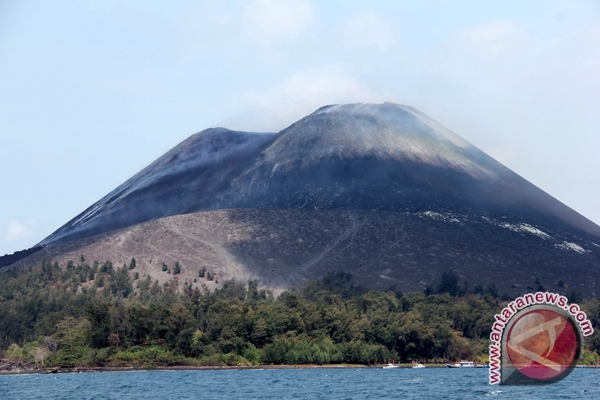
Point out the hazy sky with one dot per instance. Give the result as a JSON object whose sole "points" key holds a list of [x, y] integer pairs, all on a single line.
{"points": [[93, 91]]}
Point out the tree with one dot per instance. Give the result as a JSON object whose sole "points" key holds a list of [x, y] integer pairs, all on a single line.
{"points": [[177, 268], [449, 283], [71, 331], [132, 264], [40, 353], [72, 334], [114, 340], [120, 284], [429, 290], [574, 296], [50, 343], [120, 321], [538, 285], [15, 353], [492, 290], [107, 267]]}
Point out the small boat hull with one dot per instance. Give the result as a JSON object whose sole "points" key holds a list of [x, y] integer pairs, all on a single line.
{"points": [[464, 364]]}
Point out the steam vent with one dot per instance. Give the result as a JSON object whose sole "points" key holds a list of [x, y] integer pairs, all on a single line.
{"points": [[378, 190]]}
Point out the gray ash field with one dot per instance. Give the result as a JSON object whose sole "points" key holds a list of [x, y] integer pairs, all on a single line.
{"points": [[283, 248], [381, 191]]}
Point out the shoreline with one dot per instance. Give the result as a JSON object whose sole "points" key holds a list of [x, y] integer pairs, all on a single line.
{"points": [[195, 368], [76, 370]]}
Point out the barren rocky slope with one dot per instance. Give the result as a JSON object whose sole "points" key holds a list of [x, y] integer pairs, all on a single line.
{"points": [[284, 247]]}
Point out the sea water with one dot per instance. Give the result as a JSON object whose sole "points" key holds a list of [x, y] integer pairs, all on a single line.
{"points": [[297, 383]]}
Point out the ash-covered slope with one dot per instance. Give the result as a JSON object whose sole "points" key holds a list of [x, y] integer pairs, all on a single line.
{"points": [[353, 157], [387, 157], [283, 248], [183, 180]]}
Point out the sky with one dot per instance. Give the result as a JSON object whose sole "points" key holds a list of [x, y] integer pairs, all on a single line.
{"points": [[93, 91]]}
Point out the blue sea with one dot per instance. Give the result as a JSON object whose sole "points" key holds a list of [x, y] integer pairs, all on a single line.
{"points": [[298, 383]]}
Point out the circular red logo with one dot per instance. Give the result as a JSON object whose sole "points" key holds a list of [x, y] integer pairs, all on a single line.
{"points": [[542, 344]]}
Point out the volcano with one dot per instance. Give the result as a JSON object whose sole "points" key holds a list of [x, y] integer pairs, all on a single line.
{"points": [[379, 190]]}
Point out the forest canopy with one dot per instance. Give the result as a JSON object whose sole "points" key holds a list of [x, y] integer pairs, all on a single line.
{"points": [[49, 318]]}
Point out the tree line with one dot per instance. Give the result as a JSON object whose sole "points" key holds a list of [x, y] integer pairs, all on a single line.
{"points": [[98, 315]]}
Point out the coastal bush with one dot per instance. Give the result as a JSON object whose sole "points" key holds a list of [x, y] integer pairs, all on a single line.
{"points": [[212, 360], [301, 350], [150, 356], [252, 354], [590, 358]]}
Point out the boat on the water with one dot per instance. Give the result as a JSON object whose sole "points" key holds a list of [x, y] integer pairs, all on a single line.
{"points": [[390, 365], [418, 365], [464, 364]]}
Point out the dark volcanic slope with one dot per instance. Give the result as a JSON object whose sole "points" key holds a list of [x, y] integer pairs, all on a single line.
{"points": [[283, 248], [355, 157], [184, 180]]}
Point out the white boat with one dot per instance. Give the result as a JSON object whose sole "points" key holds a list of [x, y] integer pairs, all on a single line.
{"points": [[464, 364], [391, 366], [418, 365]]}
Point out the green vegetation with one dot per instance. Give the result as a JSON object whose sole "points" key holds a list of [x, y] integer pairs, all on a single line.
{"points": [[91, 315], [177, 268]]}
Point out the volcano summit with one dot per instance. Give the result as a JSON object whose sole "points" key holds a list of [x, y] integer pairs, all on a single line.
{"points": [[382, 191]]}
